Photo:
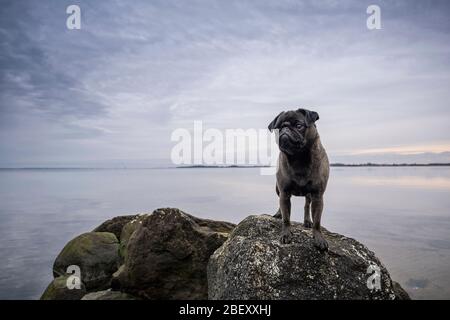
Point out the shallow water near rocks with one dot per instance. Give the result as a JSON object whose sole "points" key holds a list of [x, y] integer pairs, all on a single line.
{"points": [[402, 214]]}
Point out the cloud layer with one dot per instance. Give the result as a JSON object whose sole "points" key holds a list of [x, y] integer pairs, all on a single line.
{"points": [[113, 91]]}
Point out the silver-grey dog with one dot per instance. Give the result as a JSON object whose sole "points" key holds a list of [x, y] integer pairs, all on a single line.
{"points": [[303, 170]]}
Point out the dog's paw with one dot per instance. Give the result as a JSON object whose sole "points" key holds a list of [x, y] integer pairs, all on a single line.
{"points": [[307, 224], [320, 243], [286, 236]]}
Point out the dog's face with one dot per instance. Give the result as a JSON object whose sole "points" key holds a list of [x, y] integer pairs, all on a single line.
{"points": [[296, 128]]}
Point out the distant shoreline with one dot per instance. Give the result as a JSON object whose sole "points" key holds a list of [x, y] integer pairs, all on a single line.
{"points": [[331, 165], [391, 165], [338, 165]]}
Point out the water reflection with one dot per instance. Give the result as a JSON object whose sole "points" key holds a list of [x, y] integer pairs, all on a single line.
{"points": [[404, 182]]}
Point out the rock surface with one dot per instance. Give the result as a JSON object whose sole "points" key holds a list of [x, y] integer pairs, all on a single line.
{"points": [[252, 264], [58, 290], [108, 295], [168, 253], [165, 254], [127, 230], [97, 256], [115, 225]]}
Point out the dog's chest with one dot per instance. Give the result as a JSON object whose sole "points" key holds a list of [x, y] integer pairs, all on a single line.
{"points": [[301, 187]]}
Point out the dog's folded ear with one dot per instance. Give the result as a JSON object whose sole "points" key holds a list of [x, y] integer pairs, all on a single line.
{"points": [[275, 124], [310, 116]]}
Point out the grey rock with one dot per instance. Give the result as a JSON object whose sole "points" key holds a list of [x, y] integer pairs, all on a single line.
{"points": [[253, 264], [400, 293], [97, 256]]}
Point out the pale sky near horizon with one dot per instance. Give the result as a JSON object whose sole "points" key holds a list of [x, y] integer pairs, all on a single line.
{"points": [[137, 70]]}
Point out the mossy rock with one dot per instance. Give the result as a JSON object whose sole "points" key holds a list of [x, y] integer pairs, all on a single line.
{"points": [[97, 256], [115, 225], [109, 295], [58, 290], [127, 231]]}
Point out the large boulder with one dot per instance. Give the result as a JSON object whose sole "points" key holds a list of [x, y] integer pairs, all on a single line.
{"points": [[97, 256], [59, 290], [253, 264], [167, 255]]}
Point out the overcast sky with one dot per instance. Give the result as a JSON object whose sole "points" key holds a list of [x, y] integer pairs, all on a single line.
{"points": [[116, 89]]}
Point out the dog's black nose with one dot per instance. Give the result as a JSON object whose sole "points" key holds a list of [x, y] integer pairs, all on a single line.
{"points": [[284, 138]]}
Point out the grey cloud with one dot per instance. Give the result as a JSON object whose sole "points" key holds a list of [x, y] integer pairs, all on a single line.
{"points": [[29, 75], [135, 71]]}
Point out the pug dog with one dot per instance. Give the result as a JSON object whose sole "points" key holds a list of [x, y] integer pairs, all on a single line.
{"points": [[303, 170]]}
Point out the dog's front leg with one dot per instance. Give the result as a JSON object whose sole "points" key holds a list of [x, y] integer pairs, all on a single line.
{"points": [[307, 223], [285, 207], [317, 208]]}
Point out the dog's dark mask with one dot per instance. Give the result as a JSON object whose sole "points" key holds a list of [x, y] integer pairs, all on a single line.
{"points": [[293, 129]]}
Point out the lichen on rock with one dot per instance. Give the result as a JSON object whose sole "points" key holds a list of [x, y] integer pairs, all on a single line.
{"points": [[253, 264]]}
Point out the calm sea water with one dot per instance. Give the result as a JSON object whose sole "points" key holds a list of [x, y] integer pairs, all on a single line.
{"points": [[403, 214]]}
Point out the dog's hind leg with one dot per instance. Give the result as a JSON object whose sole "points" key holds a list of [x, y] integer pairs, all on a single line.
{"points": [[307, 222], [278, 214]]}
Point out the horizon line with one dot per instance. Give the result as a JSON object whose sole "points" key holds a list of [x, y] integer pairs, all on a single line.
{"points": [[336, 164]]}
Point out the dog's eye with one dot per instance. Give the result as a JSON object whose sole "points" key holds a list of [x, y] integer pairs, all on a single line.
{"points": [[299, 126]]}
